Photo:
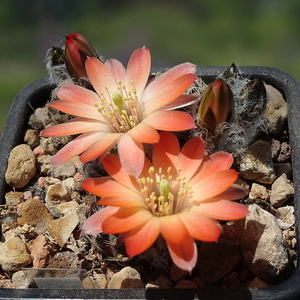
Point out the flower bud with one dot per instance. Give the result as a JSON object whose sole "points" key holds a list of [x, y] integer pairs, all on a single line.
{"points": [[216, 105], [76, 51]]}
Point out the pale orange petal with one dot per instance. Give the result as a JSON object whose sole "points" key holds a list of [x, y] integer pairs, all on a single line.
{"points": [[165, 152], [181, 101], [141, 238], [102, 145], [223, 210], [170, 120], [144, 133], [213, 184], [167, 93], [106, 187], [138, 70], [172, 228], [77, 94], [75, 147], [132, 155], [74, 126], [117, 69], [190, 157], [200, 227], [112, 165], [167, 78], [77, 109], [216, 162], [93, 225], [184, 254], [123, 201], [126, 219], [100, 76], [234, 192]]}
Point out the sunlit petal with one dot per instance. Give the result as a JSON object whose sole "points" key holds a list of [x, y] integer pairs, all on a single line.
{"points": [[223, 210], [144, 133], [93, 225], [172, 228], [214, 184], [138, 70], [126, 219], [132, 155], [141, 238], [170, 120], [116, 68], [123, 201]]}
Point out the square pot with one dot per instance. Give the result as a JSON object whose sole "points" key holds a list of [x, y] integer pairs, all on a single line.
{"points": [[37, 93]]}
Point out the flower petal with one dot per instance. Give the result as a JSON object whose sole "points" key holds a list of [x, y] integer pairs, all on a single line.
{"points": [[167, 78], [126, 219], [190, 157], [200, 227], [112, 165], [216, 162], [106, 187], [167, 93], [165, 152], [75, 147], [184, 254], [102, 145], [132, 155], [124, 201], [117, 69], [170, 120], [234, 192], [214, 184], [101, 77], [75, 93], [138, 70], [74, 126], [172, 228], [223, 210], [144, 133], [93, 224], [181, 101], [141, 238], [77, 109]]}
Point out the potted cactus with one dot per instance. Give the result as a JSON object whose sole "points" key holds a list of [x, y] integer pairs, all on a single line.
{"points": [[222, 114]]}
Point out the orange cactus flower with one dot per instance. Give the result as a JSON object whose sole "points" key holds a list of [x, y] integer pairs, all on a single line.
{"points": [[125, 109], [179, 195]]}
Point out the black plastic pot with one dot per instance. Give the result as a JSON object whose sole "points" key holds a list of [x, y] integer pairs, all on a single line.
{"points": [[36, 94]]}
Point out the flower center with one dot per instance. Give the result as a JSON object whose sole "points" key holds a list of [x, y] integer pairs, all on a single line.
{"points": [[164, 194], [120, 109]]}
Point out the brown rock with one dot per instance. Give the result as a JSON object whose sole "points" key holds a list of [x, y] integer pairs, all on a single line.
{"points": [[61, 229], [215, 260], [32, 138], [21, 166], [127, 278], [35, 213], [14, 255], [40, 252]]}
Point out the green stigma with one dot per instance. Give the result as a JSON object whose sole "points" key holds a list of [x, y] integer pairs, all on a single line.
{"points": [[118, 100], [164, 189]]}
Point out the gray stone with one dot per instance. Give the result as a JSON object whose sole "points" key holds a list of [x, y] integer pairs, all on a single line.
{"points": [[264, 249], [281, 190], [20, 281], [256, 163], [126, 278], [32, 138], [286, 217], [21, 166], [276, 110]]}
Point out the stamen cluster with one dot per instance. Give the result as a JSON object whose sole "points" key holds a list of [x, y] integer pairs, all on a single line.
{"points": [[164, 194], [120, 109]]}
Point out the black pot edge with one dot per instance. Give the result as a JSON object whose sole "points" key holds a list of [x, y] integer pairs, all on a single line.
{"points": [[16, 122]]}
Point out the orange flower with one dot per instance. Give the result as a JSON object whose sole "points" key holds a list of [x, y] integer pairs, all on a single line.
{"points": [[124, 110], [180, 195]]}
